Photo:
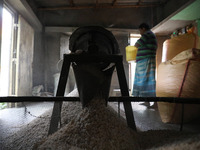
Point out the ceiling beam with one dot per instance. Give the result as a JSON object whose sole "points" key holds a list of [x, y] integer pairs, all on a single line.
{"points": [[70, 30], [114, 2], [23, 8], [71, 3], [139, 2], [164, 2], [101, 6], [97, 3]]}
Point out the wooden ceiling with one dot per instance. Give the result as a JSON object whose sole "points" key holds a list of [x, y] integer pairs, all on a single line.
{"points": [[113, 14], [92, 4]]}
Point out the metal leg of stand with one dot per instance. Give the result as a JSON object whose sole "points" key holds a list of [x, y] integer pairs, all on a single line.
{"points": [[56, 114], [125, 92]]}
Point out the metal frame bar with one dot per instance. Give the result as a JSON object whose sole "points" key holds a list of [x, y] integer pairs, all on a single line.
{"points": [[180, 100]]}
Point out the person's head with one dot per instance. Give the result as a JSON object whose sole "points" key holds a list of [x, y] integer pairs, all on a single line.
{"points": [[143, 28]]}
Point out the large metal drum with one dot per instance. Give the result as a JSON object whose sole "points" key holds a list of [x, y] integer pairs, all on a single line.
{"points": [[93, 79]]}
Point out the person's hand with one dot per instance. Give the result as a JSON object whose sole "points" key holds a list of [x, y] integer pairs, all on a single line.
{"points": [[137, 45]]}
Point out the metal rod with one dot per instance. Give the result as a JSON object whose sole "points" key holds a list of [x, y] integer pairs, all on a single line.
{"points": [[110, 99], [93, 58]]}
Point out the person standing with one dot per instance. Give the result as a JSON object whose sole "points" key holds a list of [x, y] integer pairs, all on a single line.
{"points": [[145, 83]]}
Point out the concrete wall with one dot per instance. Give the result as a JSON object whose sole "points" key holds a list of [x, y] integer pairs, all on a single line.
{"points": [[64, 45], [38, 59], [25, 58], [56, 44], [122, 40], [52, 56]]}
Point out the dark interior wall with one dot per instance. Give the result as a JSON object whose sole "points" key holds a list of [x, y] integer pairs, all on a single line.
{"points": [[122, 40], [128, 18], [38, 59], [52, 56]]}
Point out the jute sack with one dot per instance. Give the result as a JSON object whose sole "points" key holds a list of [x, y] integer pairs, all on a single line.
{"points": [[176, 45], [169, 81]]}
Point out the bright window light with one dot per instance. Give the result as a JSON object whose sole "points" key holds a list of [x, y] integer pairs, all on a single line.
{"points": [[7, 22], [134, 38], [132, 64]]}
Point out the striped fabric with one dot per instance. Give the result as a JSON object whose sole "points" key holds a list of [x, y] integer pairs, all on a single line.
{"points": [[148, 46], [144, 83]]}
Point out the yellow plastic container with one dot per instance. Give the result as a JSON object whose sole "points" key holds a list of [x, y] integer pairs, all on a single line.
{"points": [[131, 52]]}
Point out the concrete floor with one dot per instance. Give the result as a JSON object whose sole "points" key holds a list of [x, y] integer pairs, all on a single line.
{"points": [[149, 119], [12, 119]]}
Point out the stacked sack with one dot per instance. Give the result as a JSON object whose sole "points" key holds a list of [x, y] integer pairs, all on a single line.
{"points": [[176, 45], [178, 76]]}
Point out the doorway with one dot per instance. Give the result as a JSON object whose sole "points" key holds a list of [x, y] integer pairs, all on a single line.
{"points": [[132, 64]]}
